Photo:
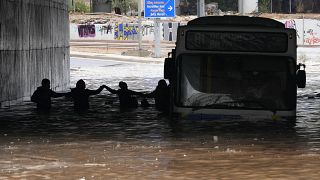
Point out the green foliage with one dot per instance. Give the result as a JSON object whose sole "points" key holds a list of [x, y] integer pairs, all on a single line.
{"points": [[264, 6], [133, 5], [125, 5], [300, 6], [79, 6]]}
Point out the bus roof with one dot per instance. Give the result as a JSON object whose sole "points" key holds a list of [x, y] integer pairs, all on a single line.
{"points": [[236, 20]]}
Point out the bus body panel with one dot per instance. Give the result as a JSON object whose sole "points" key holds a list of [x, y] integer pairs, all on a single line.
{"points": [[227, 114]]}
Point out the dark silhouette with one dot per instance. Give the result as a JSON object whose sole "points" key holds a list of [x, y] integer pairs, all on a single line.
{"points": [[145, 103], [161, 96], [42, 96], [117, 10], [80, 95], [126, 96]]}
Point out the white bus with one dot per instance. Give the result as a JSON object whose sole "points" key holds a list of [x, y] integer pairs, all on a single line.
{"points": [[234, 67]]}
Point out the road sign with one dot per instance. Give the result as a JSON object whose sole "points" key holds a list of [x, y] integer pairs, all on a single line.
{"points": [[159, 8]]}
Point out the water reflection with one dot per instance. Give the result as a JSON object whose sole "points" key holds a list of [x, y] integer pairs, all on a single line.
{"points": [[145, 144]]}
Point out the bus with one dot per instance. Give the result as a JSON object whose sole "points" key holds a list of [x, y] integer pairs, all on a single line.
{"points": [[236, 67]]}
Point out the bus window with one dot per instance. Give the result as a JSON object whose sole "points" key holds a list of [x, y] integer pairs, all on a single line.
{"points": [[237, 41], [236, 81]]}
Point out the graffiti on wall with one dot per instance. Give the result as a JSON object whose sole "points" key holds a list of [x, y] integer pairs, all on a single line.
{"points": [[87, 30], [118, 31], [308, 31], [292, 25], [311, 37], [130, 31], [170, 31], [105, 29], [125, 31], [147, 29]]}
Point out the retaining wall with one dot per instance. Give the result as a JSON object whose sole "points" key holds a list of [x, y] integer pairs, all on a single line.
{"points": [[123, 31], [34, 44], [308, 31]]}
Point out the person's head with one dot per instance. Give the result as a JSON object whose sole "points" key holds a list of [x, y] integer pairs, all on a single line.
{"points": [[162, 83], [123, 85], [45, 83], [81, 84]]}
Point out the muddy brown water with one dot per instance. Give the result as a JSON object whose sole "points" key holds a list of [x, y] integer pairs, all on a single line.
{"points": [[105, 143]]}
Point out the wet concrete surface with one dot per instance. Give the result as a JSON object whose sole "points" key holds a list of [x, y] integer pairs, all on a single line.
{"points": [[105, 143]]}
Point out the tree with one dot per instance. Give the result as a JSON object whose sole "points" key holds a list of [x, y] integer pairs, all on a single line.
{"points": [[123, 6], [78, 6], [300, 6], [264, 5]]}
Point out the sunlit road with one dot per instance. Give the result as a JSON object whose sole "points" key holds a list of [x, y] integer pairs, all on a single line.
{"points": [[144, 144]]}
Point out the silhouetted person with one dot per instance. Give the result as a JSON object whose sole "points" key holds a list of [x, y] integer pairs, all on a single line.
{"points": [[126, 96], [161, 96], [42, 96], [80, 95]]}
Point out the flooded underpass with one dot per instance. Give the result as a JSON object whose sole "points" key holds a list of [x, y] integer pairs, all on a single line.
{"points": [[105, 143]]}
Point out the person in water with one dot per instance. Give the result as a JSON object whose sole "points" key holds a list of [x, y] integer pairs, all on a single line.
{"points": [[161, 96], [126, 96], [42, 96], [80, 95]]}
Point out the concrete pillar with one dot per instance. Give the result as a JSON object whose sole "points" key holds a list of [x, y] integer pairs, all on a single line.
{"points": [[201, 8], [34, 44], [157, 41], [247, 6]]}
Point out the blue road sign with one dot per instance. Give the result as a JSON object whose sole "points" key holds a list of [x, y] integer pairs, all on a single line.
{"points": [[159, 8]]}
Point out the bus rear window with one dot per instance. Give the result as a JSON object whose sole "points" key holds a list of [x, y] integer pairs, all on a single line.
{"points": [[237, 41], [217, 80]]}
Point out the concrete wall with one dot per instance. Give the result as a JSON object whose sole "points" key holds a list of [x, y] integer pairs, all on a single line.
{"points": [[123, 31], [308, 31], [34, 44]]}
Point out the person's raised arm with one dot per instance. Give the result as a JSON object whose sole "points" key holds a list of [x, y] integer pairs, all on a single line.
{"points": [[136, 93], [97, 91], [111, 90], [55, 94]]}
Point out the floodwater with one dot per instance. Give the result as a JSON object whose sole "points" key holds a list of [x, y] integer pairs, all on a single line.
{"points": [[144, 144]]}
